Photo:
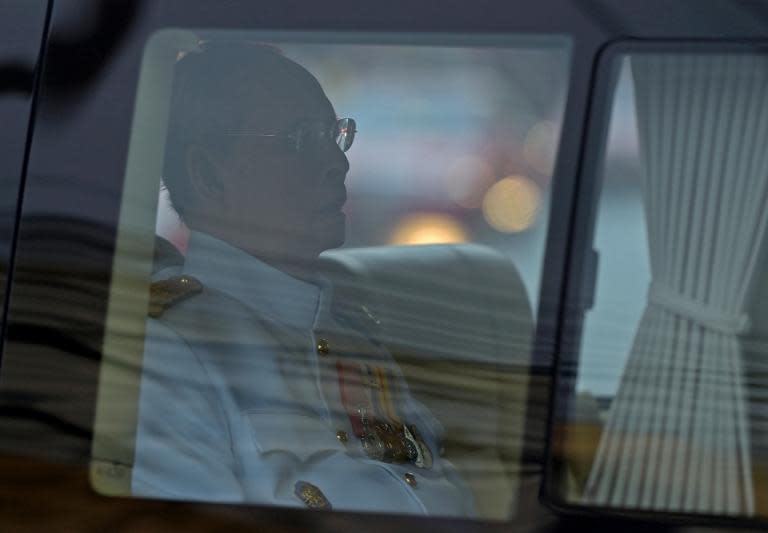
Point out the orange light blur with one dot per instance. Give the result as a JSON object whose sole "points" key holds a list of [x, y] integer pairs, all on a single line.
{"points": [[428, 228], [511, 204]]}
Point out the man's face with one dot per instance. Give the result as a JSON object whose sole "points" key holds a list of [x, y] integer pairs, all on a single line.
{"points": [[274, 201]]}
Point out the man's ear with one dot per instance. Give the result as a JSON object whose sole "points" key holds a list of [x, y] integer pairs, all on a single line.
{"points": [[203, 172]]}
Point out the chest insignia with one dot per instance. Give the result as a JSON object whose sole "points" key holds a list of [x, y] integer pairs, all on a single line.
{"points": [[371, 405]]}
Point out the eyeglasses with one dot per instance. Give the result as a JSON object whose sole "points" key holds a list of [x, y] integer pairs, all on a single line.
{"points": [[311, 135]]}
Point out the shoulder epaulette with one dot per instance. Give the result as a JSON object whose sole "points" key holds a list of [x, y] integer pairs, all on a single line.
{"points": [[167, 292]]}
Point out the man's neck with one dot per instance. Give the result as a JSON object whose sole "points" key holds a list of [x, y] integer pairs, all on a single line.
{"points": [[305, 269]]}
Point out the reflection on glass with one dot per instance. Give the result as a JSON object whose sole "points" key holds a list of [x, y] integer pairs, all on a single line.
{"points": [[664, 417], [282, 362]]}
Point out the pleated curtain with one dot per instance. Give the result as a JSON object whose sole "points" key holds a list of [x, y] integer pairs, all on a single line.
{"points": [[677, 435]]}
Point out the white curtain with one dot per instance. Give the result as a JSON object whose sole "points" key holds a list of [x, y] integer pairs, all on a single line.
{"points": [[677, 435]]}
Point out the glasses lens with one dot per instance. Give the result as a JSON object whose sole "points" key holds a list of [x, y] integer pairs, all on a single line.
{"points": [[344, 133]]}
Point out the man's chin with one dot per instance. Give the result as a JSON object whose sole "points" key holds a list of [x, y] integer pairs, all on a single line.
{"points": [[310, 248], [331, 231], [326, 232], [331, 242]]}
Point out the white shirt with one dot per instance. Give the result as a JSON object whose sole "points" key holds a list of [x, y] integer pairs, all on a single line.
{"points": [[237, 404]]}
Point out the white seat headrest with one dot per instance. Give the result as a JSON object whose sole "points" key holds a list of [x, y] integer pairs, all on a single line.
{"points": [[456, 302]]}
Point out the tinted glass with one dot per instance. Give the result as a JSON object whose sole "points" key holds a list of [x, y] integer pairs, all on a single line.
{"points": [[300, 320]]}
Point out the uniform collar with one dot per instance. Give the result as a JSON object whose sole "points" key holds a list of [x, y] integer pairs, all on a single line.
{"points": [[265, 289]]}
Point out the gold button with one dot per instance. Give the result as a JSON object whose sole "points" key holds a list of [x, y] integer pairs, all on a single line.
{"points": [[342, 436], [410, 479], [322, 347]]}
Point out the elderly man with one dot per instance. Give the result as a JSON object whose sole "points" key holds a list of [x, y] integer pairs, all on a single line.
{"points": [[259, 385]]}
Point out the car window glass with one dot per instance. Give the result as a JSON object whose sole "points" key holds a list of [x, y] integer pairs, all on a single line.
{"points": [[327, 266]]}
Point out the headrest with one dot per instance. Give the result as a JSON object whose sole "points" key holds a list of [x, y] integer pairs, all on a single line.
{"points": [[454, 302]]}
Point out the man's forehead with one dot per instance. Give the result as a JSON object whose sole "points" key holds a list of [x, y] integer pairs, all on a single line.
{"points": [[288, 105]]}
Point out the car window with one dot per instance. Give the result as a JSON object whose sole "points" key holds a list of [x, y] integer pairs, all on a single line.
{"points": [[327, 264], [94, 257], [665, 412]]}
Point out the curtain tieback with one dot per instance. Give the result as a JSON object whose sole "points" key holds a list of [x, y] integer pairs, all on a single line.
{"points": [[703, 314]]}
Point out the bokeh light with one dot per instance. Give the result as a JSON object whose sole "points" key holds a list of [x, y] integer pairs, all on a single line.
{"points": [[540, 147], [511, 204], [428, 228], [467, 179]]}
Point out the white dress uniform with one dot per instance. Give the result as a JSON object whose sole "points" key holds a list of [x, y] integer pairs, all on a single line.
{"points": [[258, 387]]}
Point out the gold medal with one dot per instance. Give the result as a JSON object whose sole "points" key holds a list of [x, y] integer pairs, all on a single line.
{"points": [[312, 496]]}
